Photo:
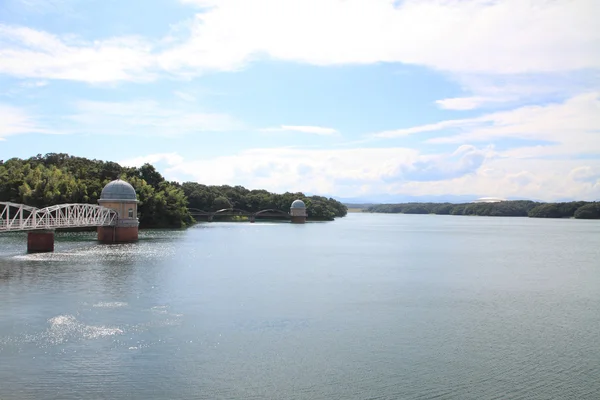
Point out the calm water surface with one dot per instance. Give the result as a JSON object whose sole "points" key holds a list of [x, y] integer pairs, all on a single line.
{"points": [[366, 307]]}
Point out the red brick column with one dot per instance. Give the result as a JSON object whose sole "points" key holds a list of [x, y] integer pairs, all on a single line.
{"points": [[126, 234], [106, 234], [119, 234], [297, 219], [40, 241]]}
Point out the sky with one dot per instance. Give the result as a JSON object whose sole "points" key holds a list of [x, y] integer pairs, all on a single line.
{"points": [[357, 99]]}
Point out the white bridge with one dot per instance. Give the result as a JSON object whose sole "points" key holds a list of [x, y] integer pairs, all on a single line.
{"points": [[19, 217]]}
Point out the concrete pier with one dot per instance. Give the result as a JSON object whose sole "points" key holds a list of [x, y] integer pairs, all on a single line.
{"points": [[40, 241]]}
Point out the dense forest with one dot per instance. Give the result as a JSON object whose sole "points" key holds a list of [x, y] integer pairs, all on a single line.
{"points": [[60, 178], [212, 198], [515, 208]]}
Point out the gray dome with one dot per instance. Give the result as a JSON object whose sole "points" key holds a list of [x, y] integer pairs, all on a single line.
{"points": [[118, 190], [298, 204]]}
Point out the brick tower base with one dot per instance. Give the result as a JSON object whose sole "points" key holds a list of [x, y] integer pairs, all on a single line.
{"points": [[119, 234], [40, 241]]}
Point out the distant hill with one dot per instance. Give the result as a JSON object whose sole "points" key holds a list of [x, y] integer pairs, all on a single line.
{"points": [[398, 198], [510, 208], [358, 205]]}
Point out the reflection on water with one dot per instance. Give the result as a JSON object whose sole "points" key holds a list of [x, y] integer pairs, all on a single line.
{"points": [[371, 306]]}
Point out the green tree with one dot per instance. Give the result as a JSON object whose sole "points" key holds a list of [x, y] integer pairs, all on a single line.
{"points": [[588, 211], [221, 202], [57, 178]]}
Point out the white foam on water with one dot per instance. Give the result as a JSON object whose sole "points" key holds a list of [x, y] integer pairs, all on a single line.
{"points": [[159, 309], [110, 304], [67, 327], [169, 319], [161, 323], [52, 256], [138, 250]]}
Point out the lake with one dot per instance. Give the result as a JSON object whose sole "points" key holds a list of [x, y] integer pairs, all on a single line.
{"points": [[370, 306]]}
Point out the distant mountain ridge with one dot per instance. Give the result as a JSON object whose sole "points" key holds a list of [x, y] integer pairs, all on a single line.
{"points": [[394, 198], [509, 208], [398, 198]]}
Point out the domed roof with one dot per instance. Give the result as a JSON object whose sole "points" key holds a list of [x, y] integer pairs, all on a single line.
{"points": [[118, 190], [298, 204]]}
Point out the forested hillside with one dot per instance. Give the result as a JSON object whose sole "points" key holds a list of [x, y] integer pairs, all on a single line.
{"points": [[60, 178], [212, 198], [516, 208]]}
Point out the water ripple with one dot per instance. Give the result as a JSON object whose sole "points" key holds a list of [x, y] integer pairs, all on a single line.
{"points": [[110, 304], [67, 327]]}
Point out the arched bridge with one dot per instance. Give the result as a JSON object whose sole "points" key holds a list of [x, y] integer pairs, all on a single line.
{"points": [[19, 217], [236, 212]]}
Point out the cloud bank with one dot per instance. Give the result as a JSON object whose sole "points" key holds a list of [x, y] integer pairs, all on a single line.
{"points": [[362, 171], [456, 36], [536, 62], [315, 130]]}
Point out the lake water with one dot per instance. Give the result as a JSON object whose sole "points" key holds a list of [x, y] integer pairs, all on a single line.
{"points": [[366, 307]]}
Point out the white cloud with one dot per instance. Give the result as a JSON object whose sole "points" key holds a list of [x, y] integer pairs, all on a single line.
{"points": [[572, 126], [170, 159], [354, 172], [465, 160], [468, 103], [144, 117], [457, 36], [141, 117], [62, 7], [491, 90], [34, 84], [426, 128], [15, 121], [316, 130], [201, 3], [283, 169], [185, 96], [585, 174], [28, 53], [511, 36]]}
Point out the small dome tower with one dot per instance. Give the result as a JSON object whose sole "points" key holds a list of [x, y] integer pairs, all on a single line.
{"points": [[298, 212], [120, 196]]}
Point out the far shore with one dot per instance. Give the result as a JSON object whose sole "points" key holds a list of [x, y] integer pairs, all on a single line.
{"points": [[507, 208]]}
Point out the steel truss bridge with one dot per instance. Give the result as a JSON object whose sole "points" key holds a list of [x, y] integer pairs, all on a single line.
{"points": [[19, 217], [236, 212]]}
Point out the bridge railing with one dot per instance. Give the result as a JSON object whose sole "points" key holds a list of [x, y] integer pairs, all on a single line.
{"points": [[236, 212], [18, 217]]}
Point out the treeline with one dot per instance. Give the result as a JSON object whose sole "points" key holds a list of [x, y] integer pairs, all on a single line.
{"points": [[213, 198], [42, 181], [516, 208]]}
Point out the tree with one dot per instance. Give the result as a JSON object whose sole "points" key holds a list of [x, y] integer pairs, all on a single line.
{"points": [[148, 173], [60, 178], [545, 211], [221, 202], [588, 211]]}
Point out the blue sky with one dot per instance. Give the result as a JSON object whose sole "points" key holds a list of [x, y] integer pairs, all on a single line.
{"points": [[352, 98]]}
